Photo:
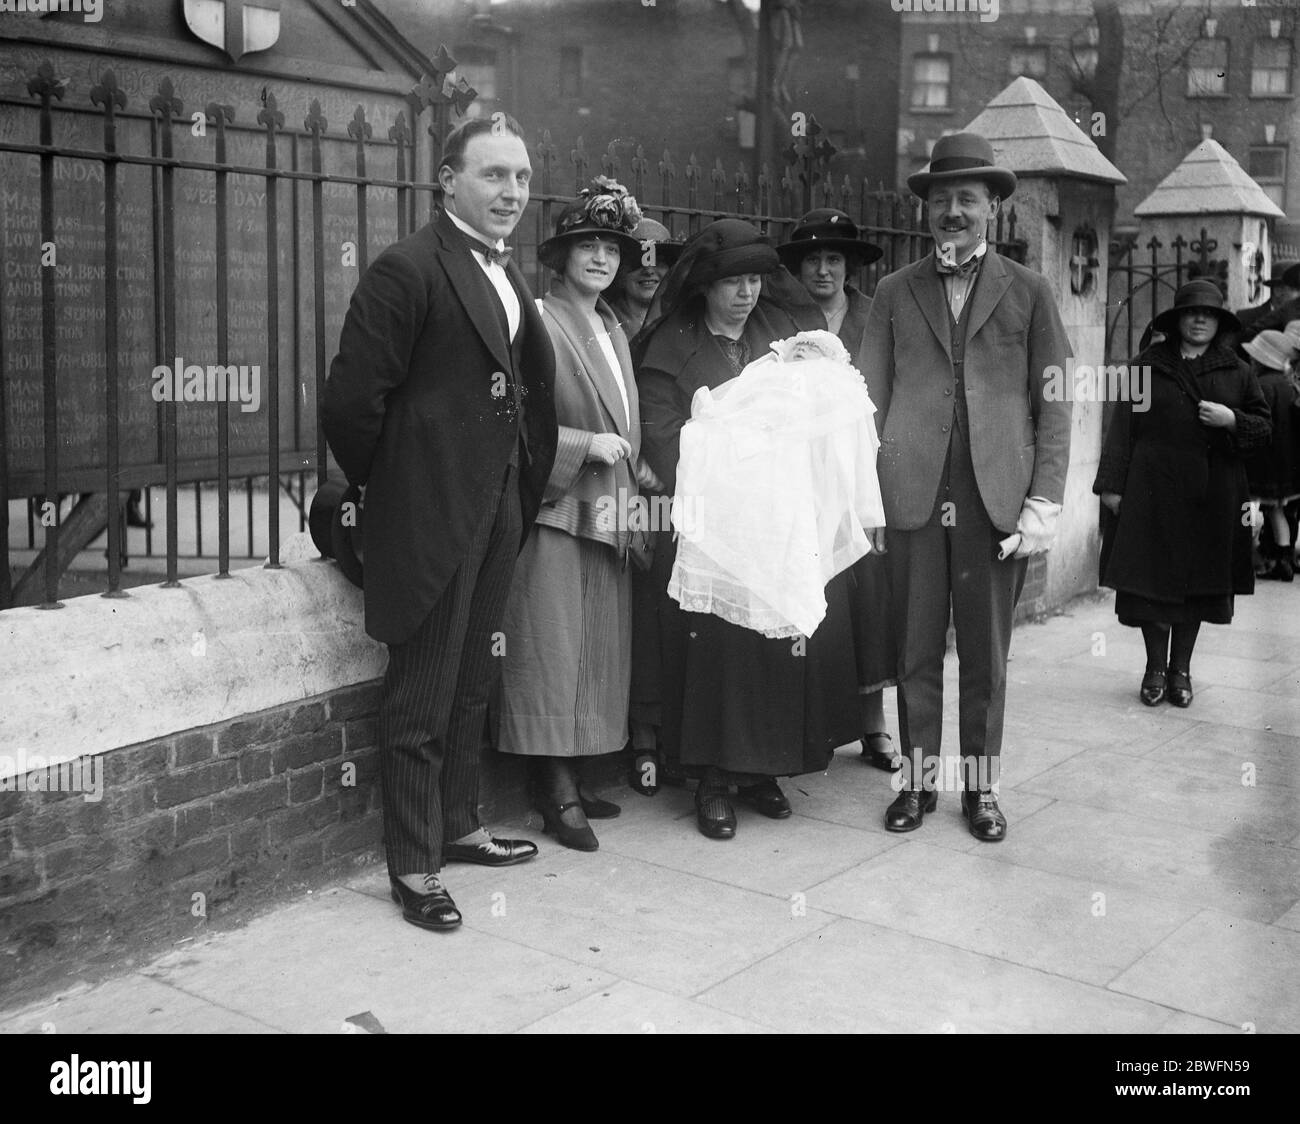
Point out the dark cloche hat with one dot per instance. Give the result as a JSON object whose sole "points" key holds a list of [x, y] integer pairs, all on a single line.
{"points": [[826, 229], [1196, 294], [608, 210], [963, 156]]}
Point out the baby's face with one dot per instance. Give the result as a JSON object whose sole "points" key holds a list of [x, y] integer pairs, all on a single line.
{"points": [[806, 349]]}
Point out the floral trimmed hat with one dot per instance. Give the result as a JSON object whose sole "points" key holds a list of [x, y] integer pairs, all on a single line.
{"points": [[606, 209]]}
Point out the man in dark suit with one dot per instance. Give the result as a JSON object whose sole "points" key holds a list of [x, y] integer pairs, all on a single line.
{"points": [[439, 403], [960, 351], [1282, 306]]}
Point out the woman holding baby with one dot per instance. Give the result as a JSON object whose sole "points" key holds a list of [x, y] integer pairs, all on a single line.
{"points": [[739, 709]]}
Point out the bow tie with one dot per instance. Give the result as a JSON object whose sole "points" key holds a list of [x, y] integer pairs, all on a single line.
{"points": [[491, 253], [966, 269]]}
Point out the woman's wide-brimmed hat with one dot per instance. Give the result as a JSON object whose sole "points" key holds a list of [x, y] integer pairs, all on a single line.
{"points": [[335, 525], [963, 156], [725, 248], [1272, 349], [606, 209], [827, 229], [667, 248], [1196, 294]]}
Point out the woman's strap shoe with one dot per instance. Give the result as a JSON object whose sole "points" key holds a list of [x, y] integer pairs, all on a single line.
{"points": [[987, 823], [1180, 689], [907, 812], [576, 838], [878, 750], [594, 808], [1153, 688], [432, 909]]}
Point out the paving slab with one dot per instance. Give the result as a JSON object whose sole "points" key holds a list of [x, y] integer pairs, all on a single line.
{"points": [[1222, 967], [629, 1008], [854, 977], [1076, 927]]}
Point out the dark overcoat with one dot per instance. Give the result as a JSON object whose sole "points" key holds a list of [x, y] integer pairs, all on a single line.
{"points": [[1184, 526], [415, 409], [1274, 471]]}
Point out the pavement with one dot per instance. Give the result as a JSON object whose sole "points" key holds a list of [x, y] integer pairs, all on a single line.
{"points": [[1149, 884]]}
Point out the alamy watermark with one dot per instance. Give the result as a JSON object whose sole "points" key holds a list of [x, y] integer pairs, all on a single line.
{"points": [[1115, 382], [34, 772], [986, 9], [190, 382], [92, 11]]}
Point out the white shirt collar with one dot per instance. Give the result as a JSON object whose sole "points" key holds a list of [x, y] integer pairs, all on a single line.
{"points": [[465, 228], [978, 252]]}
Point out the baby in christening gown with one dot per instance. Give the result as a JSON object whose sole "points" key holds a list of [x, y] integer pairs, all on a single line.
{"points": [[776, 487]]}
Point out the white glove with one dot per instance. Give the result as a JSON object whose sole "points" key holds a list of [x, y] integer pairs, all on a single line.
{"points": [[1037, 526]]}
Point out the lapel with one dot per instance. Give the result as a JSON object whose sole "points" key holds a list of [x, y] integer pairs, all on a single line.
{"points": [[994, 280], [473, 290], [573, 323], [927, 291]]}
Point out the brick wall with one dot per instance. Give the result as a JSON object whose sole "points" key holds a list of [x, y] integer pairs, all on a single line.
{"points": [[235, 812]]}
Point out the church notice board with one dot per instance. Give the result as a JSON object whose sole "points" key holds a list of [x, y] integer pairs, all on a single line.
{"points": [[79, 269]]}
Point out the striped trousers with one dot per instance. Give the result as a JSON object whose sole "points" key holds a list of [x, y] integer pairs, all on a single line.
{"points": [[435, 695]]}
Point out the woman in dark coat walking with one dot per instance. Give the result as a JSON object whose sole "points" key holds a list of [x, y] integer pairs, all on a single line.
{"points": [[1176, 539], [1274, 471], [739, 709]]}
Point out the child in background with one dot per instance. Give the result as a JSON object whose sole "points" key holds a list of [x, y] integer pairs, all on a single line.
{"points": [[1274, 471]]}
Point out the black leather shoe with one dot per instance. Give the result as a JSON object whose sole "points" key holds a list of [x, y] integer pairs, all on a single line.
{"points": [[987, 823], [594, 808], [643, 774], [1180, 689], [1153, 688], [766, 798], [907, 812], [495, 852], [878, 750], [576, 838], [715, 815], [432, 909]]}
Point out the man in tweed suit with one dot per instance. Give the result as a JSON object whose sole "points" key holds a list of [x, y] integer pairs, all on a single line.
{"points": [[439, 402], [958, 356]]}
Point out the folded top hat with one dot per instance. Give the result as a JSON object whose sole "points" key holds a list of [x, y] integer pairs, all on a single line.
{"points": [[1274, 350], [335, 525], [1196, 294], [826, 229], [608, 211], [963, 156]]}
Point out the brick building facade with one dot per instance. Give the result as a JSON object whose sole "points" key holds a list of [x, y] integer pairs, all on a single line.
{"points": [[1190, 70]]}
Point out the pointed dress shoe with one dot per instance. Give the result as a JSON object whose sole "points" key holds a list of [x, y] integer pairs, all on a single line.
{"points": [[575, 838], [432, 909], [715, 816], [1180, 689], [907, 812], [878, 750], [1153, 688], [594, 808], [987, 823], [766, 798], [495, 852]]}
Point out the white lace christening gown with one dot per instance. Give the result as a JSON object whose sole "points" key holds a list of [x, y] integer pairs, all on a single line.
{"points": [[776, 485]]}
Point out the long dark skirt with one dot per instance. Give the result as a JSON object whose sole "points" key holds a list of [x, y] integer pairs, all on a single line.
{"points": [[738, 701], [874, 643]]}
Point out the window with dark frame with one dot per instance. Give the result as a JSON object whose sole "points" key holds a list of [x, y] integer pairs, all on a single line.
{"points": [[1266, 165], [1207, 69], [931, 81], [1270, 68]]}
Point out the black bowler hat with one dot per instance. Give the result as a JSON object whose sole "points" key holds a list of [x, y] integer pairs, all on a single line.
{"points": [[826, 229], [963, 156], [333, 538], [1196, 294]]}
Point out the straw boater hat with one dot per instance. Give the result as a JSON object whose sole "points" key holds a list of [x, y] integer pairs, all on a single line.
{"points": [[1196, 294], [826, 229], [963, 156], [1273, 350], [667, 248], [608, 210], [1292, 332]]}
